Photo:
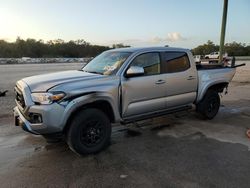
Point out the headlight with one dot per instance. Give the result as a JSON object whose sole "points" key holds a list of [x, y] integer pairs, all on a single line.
{"points": [[46, 98]]}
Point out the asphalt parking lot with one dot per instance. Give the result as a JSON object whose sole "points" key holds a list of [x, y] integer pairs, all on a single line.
{"points": [[179, 150]]}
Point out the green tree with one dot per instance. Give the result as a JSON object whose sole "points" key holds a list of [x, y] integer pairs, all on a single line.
{"points": [[52, 48], [120, 45], [232, 49], [205, 48]]}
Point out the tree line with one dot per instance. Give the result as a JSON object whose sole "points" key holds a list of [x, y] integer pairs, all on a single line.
{"points": [[53, 48], [80, 48], [232, 49]]}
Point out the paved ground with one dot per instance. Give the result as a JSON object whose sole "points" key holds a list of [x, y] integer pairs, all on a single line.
{"points": [[172, 151]]}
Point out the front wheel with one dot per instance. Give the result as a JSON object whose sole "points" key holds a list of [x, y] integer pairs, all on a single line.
{"points": [[210, 104], [89, 132]]}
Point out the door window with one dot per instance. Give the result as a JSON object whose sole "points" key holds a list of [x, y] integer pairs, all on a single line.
{"points": [[149, 61], [175, 62]]}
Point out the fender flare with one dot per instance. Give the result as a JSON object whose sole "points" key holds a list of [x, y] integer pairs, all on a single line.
{"points": [[218, 85], [78, 103]]}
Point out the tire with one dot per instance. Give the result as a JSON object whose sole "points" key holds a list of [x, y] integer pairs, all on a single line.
{"points": [[210, 104], [89, 132]]}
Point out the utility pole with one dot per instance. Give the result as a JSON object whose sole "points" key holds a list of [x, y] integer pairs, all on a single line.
{"points": [[223, 30]]}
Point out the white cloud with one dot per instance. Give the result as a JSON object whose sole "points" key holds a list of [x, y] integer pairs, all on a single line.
{"points": [[175, 36], [131, 42], [157, 40], [171, 37]]}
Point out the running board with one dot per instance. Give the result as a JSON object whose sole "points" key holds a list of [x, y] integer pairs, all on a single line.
{"points": [[154, 114]]}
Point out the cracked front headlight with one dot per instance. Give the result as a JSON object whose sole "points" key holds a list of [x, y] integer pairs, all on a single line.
{"points": [[47, 98]]}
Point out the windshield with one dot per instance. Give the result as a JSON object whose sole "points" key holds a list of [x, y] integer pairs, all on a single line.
{"points": [[107, 63]]}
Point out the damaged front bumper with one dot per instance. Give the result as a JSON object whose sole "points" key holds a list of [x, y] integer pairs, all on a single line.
{"points": [[25, 124], [50, 120]]}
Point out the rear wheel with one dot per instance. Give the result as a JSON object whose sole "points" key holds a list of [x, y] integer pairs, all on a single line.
{"points": [[89, 132], [210, 104]]}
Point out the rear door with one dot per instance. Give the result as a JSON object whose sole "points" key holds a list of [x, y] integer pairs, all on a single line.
{"points": [[181, 79], [144, 94]]}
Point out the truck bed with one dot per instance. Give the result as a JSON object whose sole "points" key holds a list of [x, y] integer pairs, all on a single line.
{"points": [[209, 66], [211, 75]]}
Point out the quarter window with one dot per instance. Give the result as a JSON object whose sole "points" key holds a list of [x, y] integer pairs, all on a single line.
{"points": [[149, 61], [175, 62]]}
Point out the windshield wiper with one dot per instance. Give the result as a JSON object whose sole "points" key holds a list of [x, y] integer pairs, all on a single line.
{"points": [[94, 72]]}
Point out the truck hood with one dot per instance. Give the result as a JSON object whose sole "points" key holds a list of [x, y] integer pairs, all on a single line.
{"points": [[42, 83]]}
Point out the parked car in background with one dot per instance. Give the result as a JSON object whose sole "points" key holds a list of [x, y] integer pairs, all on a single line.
{"points": [[198, 58], [215, 55]]}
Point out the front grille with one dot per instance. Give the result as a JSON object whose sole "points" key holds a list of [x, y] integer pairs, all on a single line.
{"points": [[19, 97]]}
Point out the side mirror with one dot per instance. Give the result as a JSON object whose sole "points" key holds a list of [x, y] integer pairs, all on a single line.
{"points": [[134, 71]]}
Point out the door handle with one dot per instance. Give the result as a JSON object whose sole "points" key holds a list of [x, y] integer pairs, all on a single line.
{"points": [[191, 78], [160, 82]]}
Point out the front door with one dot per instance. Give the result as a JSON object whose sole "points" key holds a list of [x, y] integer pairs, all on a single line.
{"points": [[144, 94]]}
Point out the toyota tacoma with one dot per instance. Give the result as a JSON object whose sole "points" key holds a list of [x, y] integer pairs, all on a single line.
{"points": [[118, 86]]}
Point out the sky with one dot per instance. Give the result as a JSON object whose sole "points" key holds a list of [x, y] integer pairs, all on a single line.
{"points": [[178, 23]]}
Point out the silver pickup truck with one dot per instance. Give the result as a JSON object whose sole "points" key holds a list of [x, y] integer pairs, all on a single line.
{"points": [[118, 86]]}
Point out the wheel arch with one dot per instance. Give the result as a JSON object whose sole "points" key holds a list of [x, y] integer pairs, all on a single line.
{"points": [[102, 105], [219, 87]]}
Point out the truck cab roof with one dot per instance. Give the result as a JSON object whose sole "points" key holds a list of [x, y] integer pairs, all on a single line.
{"points": [[147, 49]]}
